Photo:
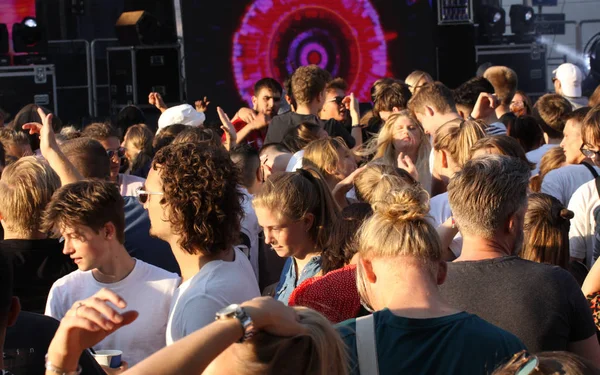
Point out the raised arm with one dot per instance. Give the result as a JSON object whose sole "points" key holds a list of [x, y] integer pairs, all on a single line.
{"points": [[50, 150]]}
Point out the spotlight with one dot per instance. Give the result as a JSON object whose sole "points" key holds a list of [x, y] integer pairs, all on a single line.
{"points": [[29, 37], [522, 19], [492, 21]]}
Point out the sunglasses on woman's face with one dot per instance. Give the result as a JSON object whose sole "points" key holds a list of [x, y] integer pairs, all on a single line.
{"points": [[142, 195], [338, 100]]}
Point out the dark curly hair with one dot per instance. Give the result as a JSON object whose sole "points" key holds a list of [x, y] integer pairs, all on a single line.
{"points": [[200, 184]]}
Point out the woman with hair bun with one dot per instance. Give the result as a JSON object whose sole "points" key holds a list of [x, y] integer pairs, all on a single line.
{"points": [[413, 329]]}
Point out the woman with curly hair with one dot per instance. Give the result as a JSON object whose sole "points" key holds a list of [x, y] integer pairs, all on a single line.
{"points": [[195, 206], [297, 212]]}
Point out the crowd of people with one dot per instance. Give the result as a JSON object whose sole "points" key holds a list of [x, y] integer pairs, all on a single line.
{"points": [[444, 231]]}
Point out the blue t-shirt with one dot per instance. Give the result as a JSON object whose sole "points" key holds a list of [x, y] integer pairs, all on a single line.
{"points": [[140, 244], [461, 343], [289, 280]]}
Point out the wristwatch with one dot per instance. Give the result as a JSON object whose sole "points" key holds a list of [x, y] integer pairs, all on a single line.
{"points": [[238, 312]]}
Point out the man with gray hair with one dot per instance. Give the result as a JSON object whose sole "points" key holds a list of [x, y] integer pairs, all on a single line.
{"points": [[541, 304]]}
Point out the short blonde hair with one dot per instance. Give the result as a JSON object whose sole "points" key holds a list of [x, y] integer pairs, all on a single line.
{"points": [[457, 137], [435, 95], [26, 187], [486, 192], [505, 82], [318, 351], [399, 227]]}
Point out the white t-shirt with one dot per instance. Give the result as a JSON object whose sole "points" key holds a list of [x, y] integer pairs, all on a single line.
{"points": [[250, 228], [147, 289], [128, 184], [581, 235], [217, 285], [295, 162], [561, 183], [535, 156], [440, 211]]}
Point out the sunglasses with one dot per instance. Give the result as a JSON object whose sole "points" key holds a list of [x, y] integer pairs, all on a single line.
{"points": [[142, 195], [591, 154], [120, 153], [338, 100]]}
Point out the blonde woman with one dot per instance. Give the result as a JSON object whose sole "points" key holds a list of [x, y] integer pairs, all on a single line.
{"points": [[401, 142], [417, 79], [331, 158], [413, 330], [297, 213]]}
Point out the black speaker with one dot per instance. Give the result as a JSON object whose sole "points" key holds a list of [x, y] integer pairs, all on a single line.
{"points": [[3, 39], [142, 28]]}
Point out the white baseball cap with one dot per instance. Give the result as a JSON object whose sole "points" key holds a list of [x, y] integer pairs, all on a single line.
{"points": [[570, 78], [183, 114]]}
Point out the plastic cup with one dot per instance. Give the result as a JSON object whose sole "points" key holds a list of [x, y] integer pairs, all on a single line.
{"points": [[108, 358]]}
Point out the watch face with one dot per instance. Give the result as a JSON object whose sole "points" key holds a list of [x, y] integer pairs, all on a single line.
{"points": [[228, 311]]}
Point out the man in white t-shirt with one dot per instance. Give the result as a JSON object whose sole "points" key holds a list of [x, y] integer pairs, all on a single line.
{"points": [[550, 111], [584, 245], [561, 183], [90, 217], [194, 203]]}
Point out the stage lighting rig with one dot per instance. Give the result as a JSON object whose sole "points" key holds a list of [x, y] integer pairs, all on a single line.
{"points": [[492, 23], [29, 37], [522, 20]]}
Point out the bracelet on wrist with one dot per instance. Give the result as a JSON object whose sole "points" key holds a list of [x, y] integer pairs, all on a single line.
{"points": [[56, 370]]}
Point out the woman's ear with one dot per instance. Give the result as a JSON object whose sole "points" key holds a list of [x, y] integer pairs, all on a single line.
{"points": [[308, 221]]}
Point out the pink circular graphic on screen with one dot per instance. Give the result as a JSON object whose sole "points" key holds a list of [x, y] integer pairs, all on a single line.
{"points": [[344, 37]]}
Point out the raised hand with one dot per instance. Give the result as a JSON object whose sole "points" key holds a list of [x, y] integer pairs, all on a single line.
{"points": [[486, 104], [228, 128], [201, 105], [156, 100], [87, 323], [406, 163], [45, 131], [273, 317], [246, 114]]}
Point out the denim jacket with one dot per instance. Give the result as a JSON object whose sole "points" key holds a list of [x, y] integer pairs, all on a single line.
{"points": [[289, 280]]}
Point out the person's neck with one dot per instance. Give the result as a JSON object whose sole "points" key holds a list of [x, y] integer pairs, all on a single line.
{"points": [[253, 190], [308, 109], [501, 110], [476, 248], [411, 293], [15, 235], [191, 264], [302, 260], [118, 266]]}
